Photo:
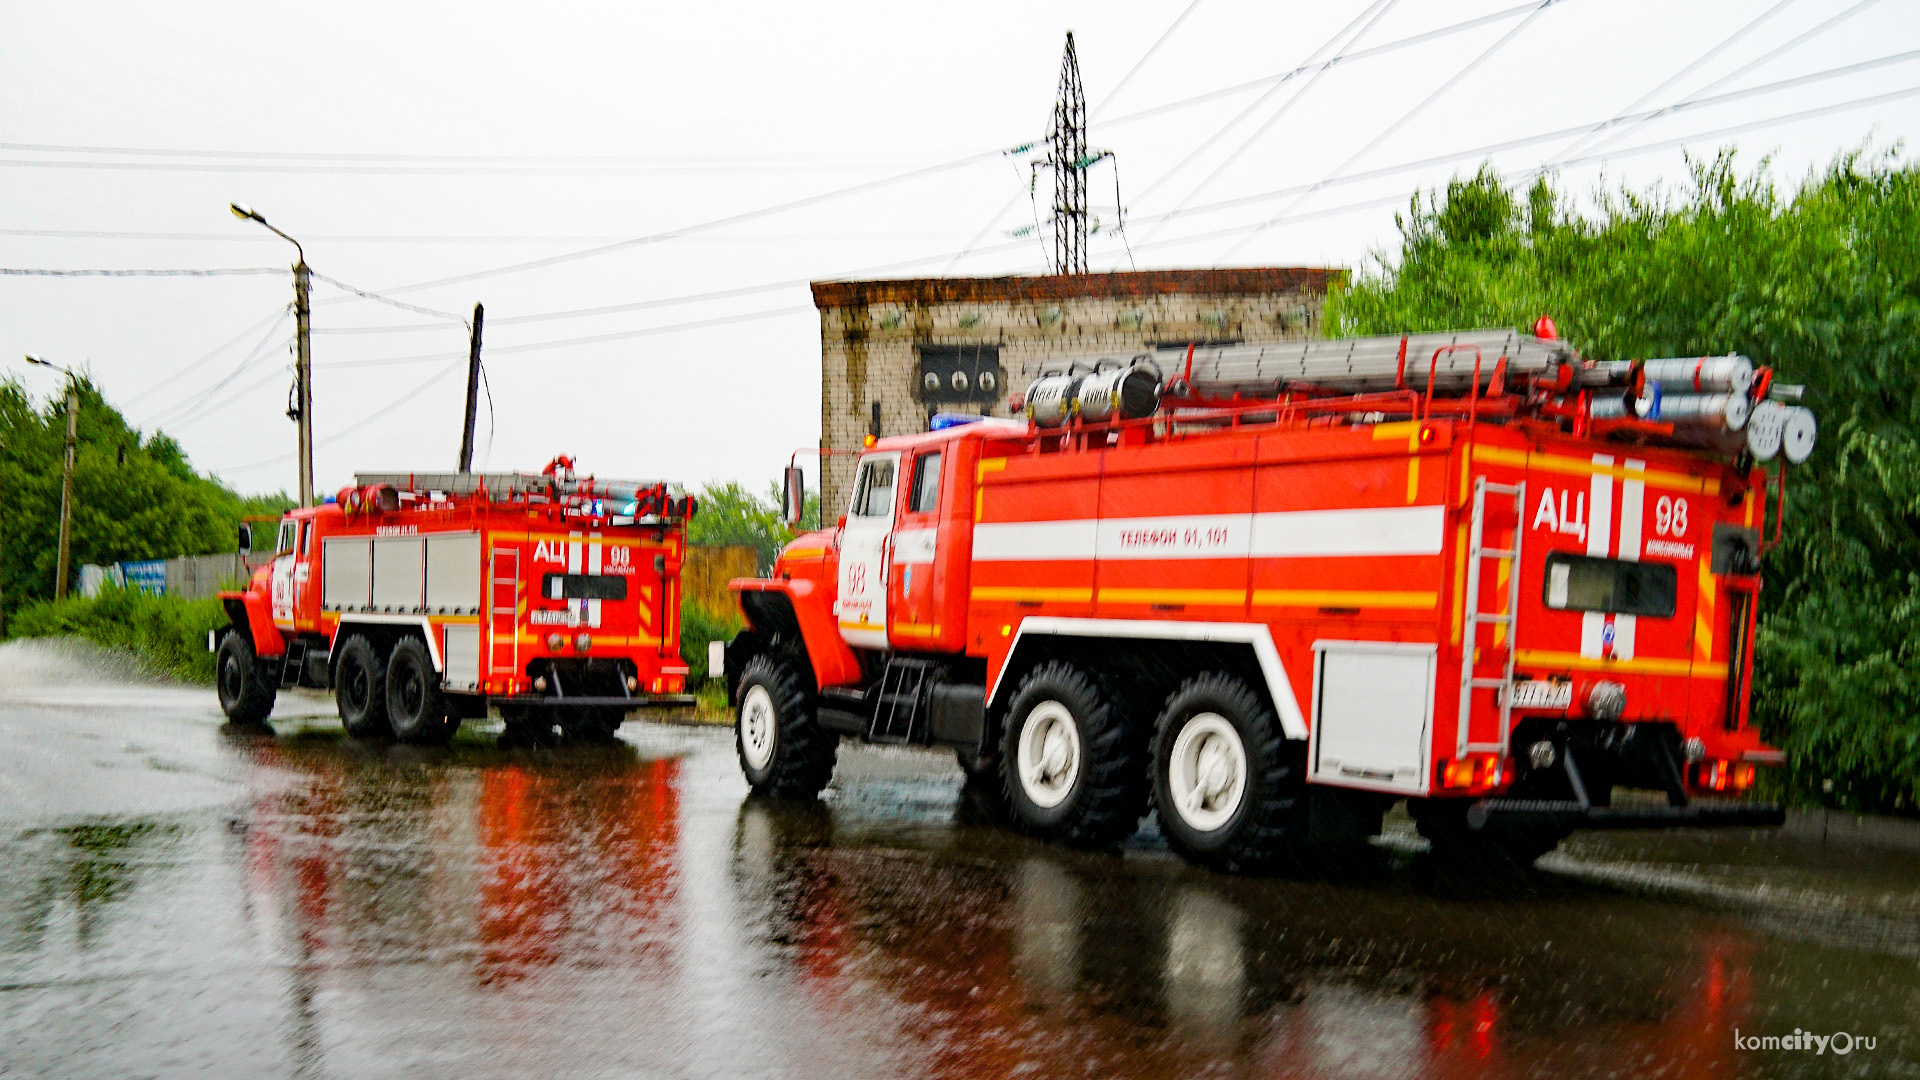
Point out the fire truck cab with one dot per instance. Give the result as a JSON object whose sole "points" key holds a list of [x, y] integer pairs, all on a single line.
{"points": [[1270, 596], [424, 599]]}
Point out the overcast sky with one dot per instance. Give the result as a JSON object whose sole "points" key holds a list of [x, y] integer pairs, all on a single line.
{"points": [[405, 143]]}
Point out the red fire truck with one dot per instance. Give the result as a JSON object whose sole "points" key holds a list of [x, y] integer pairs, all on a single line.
{"points": [[423, 599], [1268, 591]]}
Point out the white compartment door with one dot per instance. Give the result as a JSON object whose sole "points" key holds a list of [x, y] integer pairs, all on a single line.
{"points": [[1372, 715]]}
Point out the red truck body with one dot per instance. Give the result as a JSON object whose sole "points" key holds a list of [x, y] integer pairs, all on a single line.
{"points": [[1466, 606], [555, 598]]}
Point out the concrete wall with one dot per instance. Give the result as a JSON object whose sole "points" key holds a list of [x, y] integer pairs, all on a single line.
{"points": [[870, 333]]}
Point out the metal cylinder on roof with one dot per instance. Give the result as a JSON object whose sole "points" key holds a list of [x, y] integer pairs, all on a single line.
{"points": [[1796, 441], [1051, 399], [1728, 412], [1765, 430], [1125, 393], [1689, 375]]}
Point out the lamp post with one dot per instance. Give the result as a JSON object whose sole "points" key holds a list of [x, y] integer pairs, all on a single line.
{"points": [[66, 480], [303, 355]]}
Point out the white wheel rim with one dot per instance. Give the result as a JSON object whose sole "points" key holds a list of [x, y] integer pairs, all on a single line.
{"points": [[1048, 762], [1207, 775], [757, 725]]}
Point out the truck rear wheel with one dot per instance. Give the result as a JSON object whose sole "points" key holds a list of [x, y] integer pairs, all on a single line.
{"points": [[783, 750], [415, 709], [246, 693], [360, 689], [1071, 770], [1227, 790]]}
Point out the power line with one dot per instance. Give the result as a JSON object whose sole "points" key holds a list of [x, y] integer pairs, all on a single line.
{"points": [[1568, 132], [205, 400], [1591, 157], [1144, 57], [425, 170], [1790, 44], [361, 423], [704, 226], [1687, 69], [1371, 16], [468, 159], [570, 238], [269, 324], [1362, 54], [218, 272], [590, 339], [367, 294], [1438, 92]]}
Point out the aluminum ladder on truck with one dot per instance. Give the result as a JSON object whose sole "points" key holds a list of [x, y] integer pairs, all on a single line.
{"points": [[1477, 554]]}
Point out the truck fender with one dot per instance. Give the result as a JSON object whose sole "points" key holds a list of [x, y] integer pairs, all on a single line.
{"points": [[806, 604], [387, 629], [1034, 631], [251, 613]]}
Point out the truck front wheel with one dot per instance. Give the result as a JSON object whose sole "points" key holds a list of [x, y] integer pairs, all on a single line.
{"points": [[360, 689], [1226, 787], [783, 750], [415, 708], [1071, 770], [246, 693]]}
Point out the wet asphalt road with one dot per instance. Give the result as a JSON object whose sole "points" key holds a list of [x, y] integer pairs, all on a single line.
{"points": [[183, 899]]}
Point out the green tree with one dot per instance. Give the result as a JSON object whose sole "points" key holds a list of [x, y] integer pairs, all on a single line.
{"points": [[731, 514], [135, 496], [1823, 284]]}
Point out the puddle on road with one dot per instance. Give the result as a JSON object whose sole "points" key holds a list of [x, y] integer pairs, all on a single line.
{"points": [[627, 910]]}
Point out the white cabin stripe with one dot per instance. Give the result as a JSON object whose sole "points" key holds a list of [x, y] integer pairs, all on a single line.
{"points": [[1632, 504], [1394, 530], [1593, 624]]}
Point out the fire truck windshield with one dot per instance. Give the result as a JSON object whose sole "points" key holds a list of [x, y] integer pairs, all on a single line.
{"points": [[1582, 583], [584, 587]]}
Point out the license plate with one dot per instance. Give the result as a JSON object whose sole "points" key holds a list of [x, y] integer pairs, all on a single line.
{"points": [[1539, 694]]}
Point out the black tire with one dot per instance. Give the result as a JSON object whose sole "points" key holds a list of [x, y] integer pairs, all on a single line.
{"points": [[1255, 819], [783, 750], [1495, 849], [360, 690], [245, 689], [1097, 798], [415, 709]]}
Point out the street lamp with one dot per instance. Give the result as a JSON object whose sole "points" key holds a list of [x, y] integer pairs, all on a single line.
{"points": [[303, 353], [66, 480]]}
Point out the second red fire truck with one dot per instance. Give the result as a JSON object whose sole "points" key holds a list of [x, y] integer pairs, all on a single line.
{"points": [[424, 599], [1270, 591]]}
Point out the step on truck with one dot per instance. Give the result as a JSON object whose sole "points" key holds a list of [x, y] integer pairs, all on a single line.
{"points": [[1269, 591], [422, 600]]}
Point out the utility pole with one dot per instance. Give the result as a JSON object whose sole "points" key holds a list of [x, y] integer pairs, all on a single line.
{"points": [[66, 490], [301, 411], [303, 374], [63, 563], [473, 389]]}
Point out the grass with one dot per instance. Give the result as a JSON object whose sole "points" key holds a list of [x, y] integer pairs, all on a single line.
{"points": [[166, 633]]}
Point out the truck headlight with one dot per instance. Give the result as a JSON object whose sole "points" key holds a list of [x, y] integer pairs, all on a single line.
{"points": [[1607, 701], [556, 642], [583, 642]]}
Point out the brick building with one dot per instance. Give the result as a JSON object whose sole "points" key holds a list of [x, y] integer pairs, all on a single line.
{"points": [[894, 352]]}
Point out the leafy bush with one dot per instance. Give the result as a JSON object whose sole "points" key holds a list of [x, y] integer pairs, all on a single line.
{"points": [[698, 626], [1823, 285], [168, 634]]}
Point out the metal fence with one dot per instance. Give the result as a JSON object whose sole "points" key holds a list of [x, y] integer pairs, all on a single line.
{"points": [[193, 577]]}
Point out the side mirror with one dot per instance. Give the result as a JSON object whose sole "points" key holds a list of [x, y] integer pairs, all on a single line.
{"points": [[246, 539], [794, 505]]}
